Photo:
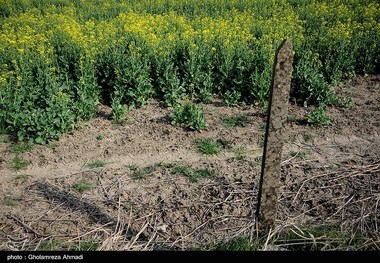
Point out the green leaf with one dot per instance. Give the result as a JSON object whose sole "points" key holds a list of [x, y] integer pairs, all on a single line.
{"points": [[39, 140]]}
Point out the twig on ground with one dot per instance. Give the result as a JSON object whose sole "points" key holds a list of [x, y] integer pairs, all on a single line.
{"points": [[27, 228], [138, 235]]}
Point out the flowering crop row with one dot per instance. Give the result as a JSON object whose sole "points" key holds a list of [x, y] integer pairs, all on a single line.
{"points": [[60, 58]]}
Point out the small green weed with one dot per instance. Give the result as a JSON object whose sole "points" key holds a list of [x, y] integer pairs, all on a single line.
{"points": [[133, 166], [231, 98], [318, 116], [8, 201], [207, 146], [20, 148], [238, 244], [194, 175], [190, 115], [145, 172], [224, 143], [87, 246], [51, 245], [263, 127], [261, 142], [100, 137], [4, 139], [3, 130], [291, 138], [82, 186], [344, 102], [118, 109], [238, 120], [200, 174], [18, 163], [258, 159], [184, 170], [291, 119], [97, 164], [240, 152], [319, 238], [335, 238], [307, 136], [205, 95]]}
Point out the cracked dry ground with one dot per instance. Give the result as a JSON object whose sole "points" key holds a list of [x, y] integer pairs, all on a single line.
{"points": [[139, 201]]}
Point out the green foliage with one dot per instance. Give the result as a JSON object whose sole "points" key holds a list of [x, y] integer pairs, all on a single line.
{"points": [[318, 116], [205, 95], [60, 59], [38, 106], [86, 91], [124, 70], [231, 98], [118, 109], [259, 89], [199, 75], [308, 82], [39, 124], [207, 146], [345, 102], [190, 115], [167, 75], [366, 48]]}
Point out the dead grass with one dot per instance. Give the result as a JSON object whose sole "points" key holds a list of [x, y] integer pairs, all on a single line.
{"points": [[354, 224]]}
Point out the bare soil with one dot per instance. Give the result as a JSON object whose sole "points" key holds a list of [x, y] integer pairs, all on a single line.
{"points": [[330, 176]]}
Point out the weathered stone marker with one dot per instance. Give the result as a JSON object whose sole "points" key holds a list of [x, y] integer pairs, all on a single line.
{"points": [[278, 106]]}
